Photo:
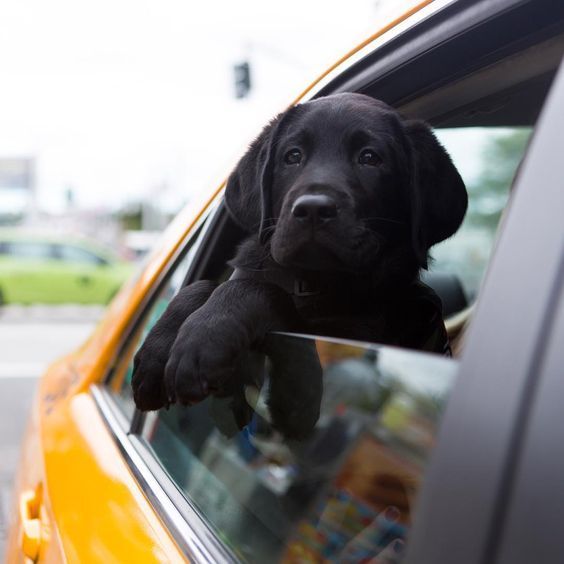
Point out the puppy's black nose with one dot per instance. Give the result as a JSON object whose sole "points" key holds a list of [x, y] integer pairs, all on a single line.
{"points": [[315, 208]]}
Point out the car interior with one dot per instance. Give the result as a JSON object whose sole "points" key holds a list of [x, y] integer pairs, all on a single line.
{"points": [[348, 492]]}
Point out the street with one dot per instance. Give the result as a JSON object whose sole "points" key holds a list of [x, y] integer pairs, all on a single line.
{"points": [[30, 339]]}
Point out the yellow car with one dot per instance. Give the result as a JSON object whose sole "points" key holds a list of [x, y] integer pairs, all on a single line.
{"points": [[416, 457]]}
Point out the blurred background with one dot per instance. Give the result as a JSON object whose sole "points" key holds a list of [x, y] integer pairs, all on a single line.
{"points": [[115, 114]]}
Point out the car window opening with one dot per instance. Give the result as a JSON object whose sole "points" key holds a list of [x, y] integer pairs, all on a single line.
{"points": [[331, 469]]}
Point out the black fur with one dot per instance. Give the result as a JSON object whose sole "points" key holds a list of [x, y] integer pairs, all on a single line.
{"points": [[342, 194]]}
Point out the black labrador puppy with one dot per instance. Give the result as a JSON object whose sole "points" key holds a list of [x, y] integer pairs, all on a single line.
{"points": [[342, 199]]}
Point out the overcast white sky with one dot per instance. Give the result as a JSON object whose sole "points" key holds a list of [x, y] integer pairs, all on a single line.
{"points": [[123, 100], [118, 99]]}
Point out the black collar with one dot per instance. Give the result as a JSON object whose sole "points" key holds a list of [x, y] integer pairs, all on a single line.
{"points": [[288, 281]]}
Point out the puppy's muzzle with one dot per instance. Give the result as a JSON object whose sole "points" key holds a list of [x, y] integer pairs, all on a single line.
{"points": [[314, 209]]}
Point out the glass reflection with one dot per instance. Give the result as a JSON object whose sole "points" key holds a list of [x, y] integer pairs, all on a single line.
{"points": [[317, 453]]}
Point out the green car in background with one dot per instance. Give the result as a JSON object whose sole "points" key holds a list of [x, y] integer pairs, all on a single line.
{"points": [[50, 270]]}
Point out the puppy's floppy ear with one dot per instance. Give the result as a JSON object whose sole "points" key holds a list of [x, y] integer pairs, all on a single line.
{"points": [[248, 191], [437, 193]]}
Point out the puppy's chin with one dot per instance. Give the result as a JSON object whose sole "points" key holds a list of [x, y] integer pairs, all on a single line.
{"points": [[309, 255], [348, 250]]}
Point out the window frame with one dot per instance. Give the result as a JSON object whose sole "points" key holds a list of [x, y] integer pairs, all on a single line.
{"points": [[482, 31], [522, 534], [496, 392]]}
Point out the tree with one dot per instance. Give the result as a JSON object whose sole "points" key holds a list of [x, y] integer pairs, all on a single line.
{"points": [[501, 157]]}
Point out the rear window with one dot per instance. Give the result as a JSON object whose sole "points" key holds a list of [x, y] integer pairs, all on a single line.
{"points": [[27, 250], [73, 254]]}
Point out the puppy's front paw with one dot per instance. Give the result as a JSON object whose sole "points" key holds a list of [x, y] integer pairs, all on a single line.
{"points": [[148, 380], [200, 363], [296, 386]]}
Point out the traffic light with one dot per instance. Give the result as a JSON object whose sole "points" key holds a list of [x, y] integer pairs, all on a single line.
{"points": [[242, 79]]}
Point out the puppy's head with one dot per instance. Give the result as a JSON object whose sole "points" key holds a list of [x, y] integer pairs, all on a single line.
{"points": [[343, 183]]}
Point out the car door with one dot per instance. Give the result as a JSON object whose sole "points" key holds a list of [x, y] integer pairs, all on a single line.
{"points": [[352, 489], [403, 438], [493, 491], [230, 493]]}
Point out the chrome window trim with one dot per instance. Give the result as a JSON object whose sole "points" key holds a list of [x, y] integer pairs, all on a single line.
{"points": [[118, 416], [183, 521]]}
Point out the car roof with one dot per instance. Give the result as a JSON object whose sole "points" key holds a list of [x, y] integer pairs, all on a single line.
{"points": [[468, 49]]}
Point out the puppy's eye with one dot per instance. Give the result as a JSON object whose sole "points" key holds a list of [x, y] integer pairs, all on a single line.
{"points": [[368, 157], [293, 157]]}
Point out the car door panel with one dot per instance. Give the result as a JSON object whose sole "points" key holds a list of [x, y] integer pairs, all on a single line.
{"points": [[353, 479], [486, 416], [93, 502]]}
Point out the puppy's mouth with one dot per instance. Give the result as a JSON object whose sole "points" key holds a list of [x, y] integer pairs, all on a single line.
{"points": [[317, 251], [309, 255]]}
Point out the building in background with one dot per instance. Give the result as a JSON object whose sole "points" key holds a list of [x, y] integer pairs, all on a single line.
{"points": [[18, 196]]}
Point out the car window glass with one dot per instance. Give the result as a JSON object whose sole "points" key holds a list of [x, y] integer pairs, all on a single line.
{"points": [[330, 471], [28, 250], [487, 159], [78, 255], [120, 376]]}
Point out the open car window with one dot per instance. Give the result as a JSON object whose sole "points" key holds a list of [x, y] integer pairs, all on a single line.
{"points": [[329, 467], [330, 471]]}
